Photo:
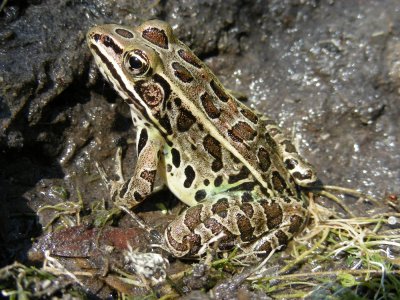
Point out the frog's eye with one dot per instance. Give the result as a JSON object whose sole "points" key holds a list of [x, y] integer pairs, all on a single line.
{"points": [[136, 62]]}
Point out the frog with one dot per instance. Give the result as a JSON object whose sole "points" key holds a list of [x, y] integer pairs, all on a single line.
{"points": [[238, 172]]}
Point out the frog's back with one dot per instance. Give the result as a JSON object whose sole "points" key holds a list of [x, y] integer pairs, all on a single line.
{"points": [[231, 141]]}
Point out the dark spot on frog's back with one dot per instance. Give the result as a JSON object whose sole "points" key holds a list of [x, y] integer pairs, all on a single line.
{"points": [[242, 131], [263, 159], [182, 73], [212, 146], [185, 120], [208, 104], [189, 58], [249, 115], [219, 91], [124, 33], [278, 182], [156, 36]]}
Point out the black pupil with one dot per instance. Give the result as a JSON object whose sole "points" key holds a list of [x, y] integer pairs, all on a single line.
{"points": [[135, 62]]}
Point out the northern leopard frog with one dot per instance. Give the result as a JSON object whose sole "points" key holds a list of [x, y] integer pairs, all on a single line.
{"points": [[238, 172]]}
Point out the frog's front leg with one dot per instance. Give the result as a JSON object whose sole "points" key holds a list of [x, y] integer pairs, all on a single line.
{"points": [[131, 192], [255, 227]]}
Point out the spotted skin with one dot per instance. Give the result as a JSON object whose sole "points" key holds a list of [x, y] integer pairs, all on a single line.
{"points": [[237, 171]]}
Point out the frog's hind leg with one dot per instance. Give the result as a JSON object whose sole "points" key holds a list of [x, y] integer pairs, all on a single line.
{"points": [[292, 214], [254, 226]]}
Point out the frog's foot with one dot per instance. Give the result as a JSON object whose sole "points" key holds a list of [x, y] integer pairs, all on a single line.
{"points": [[257, 227]]}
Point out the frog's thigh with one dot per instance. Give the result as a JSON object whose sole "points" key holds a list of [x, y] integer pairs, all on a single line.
{"points": [[257, 225]]}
